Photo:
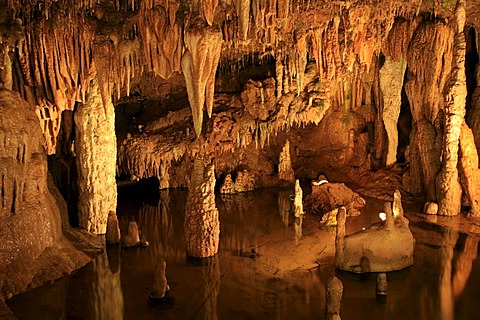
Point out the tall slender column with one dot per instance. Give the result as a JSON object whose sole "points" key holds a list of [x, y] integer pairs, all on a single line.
{"points": [[96, 149]]}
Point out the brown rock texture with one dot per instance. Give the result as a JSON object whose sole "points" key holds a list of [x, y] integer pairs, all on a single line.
{"points": [[470, 173], [285, 170], [330, 196], [391, 82], [449, 191], [199, 63], [33, 248], [95, 146], [384, 246], [202, 227], [113, 229]]}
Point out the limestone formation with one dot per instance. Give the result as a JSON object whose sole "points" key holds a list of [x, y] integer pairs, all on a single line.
{"points": [[298, 201], [160, 285], [449, 191], [397, 207], [334, 298], [327, 197], [244, 182], [258, 98], [470, 173], [132, 239], [391, 82], [228, 186], [33, 217], [384, 246], [113, 229], [199, 63], [95, 146], [202, 227], [430, 208], [285, 170]]}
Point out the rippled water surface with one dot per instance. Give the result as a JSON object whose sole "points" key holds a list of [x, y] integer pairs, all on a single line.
{"points": [[285, 281]]}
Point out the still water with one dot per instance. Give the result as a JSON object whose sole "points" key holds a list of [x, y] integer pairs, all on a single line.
{"points": [[284, 278]]}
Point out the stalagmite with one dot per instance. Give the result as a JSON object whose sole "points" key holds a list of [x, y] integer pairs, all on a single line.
{"points": [[391, 83], [96, 149], [160, 285], [449, 191], [470, 175], [199, 64], [285, 170], [113, 230], [202, 227], [397, 207], [132, 238]]}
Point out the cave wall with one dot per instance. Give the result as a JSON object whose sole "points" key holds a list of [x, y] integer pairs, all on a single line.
{"points": [[33, 218]]}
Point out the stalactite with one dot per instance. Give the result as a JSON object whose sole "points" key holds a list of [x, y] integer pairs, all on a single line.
{"points": [[209, 7], [199, 64], [449, 191], [243, 13], [161, 38]]}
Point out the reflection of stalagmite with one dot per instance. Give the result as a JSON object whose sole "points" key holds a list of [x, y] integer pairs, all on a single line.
{"points": [[202, 227], [453, 278], [95, 146], [104, 291], [391, 82], [284, 206], [285, 170], [334, 298], [449, 191], [445, 282], [209, 291], [298, 202], [199, 64]]}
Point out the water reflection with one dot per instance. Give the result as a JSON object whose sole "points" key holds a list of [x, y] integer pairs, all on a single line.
{"points": [[284, 206], [105, 291], [443, 280], [298, 228], [454, 274]]}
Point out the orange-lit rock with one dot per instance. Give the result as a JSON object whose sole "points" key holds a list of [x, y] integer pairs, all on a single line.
{"points": [[202, 227], [385, 246]]}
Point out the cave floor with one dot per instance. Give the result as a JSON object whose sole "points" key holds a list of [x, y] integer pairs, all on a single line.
{"points": [[283, 278]]}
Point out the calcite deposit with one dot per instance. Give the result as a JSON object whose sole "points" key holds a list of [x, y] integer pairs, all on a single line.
{"points": [[378, 95], [202, 226], [384, 246]]}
